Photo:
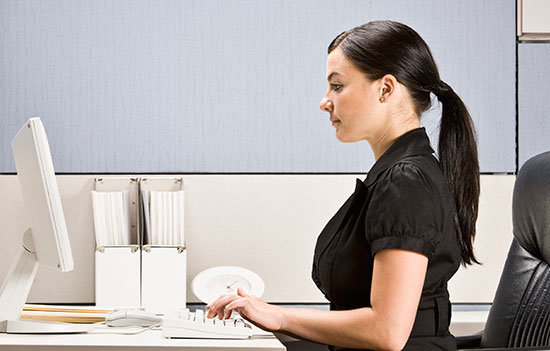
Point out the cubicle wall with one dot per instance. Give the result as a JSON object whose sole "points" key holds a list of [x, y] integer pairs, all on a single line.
{"points": [[267, 223], [226, 89], [213, 86]]}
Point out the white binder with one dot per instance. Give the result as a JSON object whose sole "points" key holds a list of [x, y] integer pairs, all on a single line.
{"points": [[163, 256], [164, 278], [117, 276], [117, 267]]}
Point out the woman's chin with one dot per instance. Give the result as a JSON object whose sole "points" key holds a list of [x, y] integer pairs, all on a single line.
{"points": [[344, 138]]}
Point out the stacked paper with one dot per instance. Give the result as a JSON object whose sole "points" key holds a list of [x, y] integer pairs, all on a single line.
{"points": [[164, 217], [66, 314], [111, 218]]}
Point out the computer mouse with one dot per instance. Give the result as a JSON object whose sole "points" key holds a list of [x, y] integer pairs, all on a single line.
{"points": [[127, 318]]}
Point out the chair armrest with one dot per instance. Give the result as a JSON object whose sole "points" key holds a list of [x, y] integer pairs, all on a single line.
{"points": [[531, 348], [473, 343], [469, 341]]}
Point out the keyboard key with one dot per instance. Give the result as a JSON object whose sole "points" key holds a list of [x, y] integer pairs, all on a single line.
{"points": [[199, 315], [184, 313]]}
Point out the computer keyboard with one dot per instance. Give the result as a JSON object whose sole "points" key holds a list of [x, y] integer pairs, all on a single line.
{"points": [[186, 324]]}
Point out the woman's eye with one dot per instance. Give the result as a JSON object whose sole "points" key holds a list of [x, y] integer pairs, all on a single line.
{"points": [[336, 87]]}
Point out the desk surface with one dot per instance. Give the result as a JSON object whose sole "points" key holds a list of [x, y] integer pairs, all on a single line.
{"points": [[467, 322], [463, 323], [150, 340]]}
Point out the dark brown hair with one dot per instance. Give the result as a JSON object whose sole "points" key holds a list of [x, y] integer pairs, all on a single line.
{"points": [[386, 47]]}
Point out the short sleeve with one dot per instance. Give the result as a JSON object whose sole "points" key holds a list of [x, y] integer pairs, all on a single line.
{"points": [[404, 212]]}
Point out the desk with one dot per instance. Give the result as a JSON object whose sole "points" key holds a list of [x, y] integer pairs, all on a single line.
{"points": [[150, 340], [463, 323], [467, 322]]}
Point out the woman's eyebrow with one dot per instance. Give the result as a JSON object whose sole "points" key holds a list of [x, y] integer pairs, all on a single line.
{"points": [[332, 75]]}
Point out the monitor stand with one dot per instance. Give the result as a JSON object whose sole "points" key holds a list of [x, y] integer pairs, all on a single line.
{"points": [[14, 293]]}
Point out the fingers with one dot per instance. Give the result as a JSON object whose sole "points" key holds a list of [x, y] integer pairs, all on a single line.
{"points": [[242, 293], [240, 303], [217, 307], [225, 304], [243, 306], [236, 304], [227, 312]]}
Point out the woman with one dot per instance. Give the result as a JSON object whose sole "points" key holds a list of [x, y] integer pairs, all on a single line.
{"points": [[383, 261]]}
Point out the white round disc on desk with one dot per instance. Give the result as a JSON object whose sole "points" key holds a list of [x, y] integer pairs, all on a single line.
{"points": [[209, 284]]}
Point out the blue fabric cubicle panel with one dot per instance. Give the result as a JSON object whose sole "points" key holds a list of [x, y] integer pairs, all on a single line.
{"points": [[228, 86], [533, 99]]}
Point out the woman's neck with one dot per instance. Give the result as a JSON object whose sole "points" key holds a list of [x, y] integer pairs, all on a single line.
{"points": [[390, 135]]}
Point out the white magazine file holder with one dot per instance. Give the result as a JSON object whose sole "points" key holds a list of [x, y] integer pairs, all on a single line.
{"points": [[163, 266], [117, 267]]}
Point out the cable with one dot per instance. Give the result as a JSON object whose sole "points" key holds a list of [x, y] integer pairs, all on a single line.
{"points": [[124, 333]]}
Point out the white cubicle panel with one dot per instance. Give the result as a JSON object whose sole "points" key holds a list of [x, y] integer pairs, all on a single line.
{"points": [[533, 19], [267, 223], [270, 224], [478, 283]]}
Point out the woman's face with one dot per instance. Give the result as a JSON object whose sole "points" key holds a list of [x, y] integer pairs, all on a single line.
{"points": [[351, 100]]}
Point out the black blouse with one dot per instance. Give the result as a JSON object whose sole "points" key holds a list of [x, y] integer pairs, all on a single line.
{"points": [[404, 203]]}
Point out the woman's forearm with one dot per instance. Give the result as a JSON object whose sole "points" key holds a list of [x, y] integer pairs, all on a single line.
{"points": [[359, 328]]}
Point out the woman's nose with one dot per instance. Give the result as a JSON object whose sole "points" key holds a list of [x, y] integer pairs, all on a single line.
{"points": [[326, 105]]}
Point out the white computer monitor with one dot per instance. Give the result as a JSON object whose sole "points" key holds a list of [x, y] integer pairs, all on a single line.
{"points": [[45, 241]]}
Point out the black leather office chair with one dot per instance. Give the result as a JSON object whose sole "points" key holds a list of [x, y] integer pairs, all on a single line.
{"points": [[519, 318]]}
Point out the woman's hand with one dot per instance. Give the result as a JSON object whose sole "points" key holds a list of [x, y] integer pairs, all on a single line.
{"points": [[256, 311]]}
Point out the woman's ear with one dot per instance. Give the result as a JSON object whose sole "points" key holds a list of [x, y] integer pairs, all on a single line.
{"points": [[387, 87]]}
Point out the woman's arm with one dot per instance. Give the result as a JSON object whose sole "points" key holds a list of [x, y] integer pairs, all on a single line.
{"points": [[398, 278]]}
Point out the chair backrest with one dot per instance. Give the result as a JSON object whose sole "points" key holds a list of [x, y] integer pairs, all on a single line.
{"points": [[520, 314]]}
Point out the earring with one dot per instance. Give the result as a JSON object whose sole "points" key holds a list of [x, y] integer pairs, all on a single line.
{"points": [[382, 99]]}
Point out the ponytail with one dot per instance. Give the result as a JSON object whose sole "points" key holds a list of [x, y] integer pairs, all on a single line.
{"points": [[459, 164]]}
